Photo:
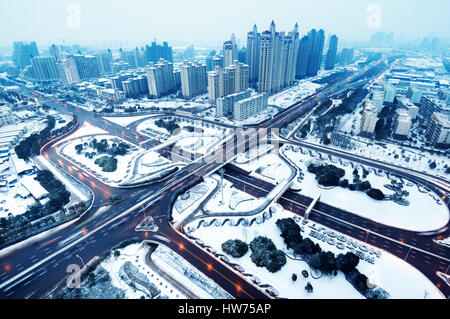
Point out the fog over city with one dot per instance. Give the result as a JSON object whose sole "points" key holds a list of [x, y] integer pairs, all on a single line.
{"points": [[206, 22]]}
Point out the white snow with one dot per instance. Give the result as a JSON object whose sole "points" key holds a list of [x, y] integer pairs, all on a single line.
{"points": [[394, 275], [136, 254], [86, 129], [292, 95], [124, 162], [423, 214], [186, 274]]}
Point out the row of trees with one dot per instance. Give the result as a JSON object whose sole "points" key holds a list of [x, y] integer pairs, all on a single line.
{"points": [[325, 261], [38, 216], [32, 144], [330, 175], [170, 125]]}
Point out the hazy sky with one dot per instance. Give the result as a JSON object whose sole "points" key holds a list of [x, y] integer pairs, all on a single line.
{"points": [[210, 22]]}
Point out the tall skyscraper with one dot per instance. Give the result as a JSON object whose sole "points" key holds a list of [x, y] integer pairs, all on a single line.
{"points": [[331, 54], [23, 53], [217, 61], [161, 79], [346, 56], [133, 58], [44, 68], [253, 48], [317, 40], [193, 79], [278, 59], [54, 51], [302, 57], [227, 53], [155, 52]]}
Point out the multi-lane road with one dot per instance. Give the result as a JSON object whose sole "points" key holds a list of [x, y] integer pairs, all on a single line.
{"points": [[33, 270]]}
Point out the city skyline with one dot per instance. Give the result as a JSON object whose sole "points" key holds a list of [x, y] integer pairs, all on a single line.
{"points": [[134, 22]]}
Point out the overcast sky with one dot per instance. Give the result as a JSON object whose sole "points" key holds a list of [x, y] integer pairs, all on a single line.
{"points": [[210, 22]]}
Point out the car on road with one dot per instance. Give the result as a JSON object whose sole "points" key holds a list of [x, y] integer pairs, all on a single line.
{"points": [[224, 258]]}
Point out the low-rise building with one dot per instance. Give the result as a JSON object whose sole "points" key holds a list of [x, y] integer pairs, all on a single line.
{"points": [[250, 106], [438, 131]]}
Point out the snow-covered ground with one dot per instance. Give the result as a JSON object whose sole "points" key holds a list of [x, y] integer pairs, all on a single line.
{"points": [[201, 141], [181, 270], [426, 211], [294, 94], [136, 254], [124, 162], [392, 274], [189, 201], [15, 200], [164, 103], [83, 130], [235, 201]]}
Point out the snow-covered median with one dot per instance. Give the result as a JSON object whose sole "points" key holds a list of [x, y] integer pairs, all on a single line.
{"points": [[392, 274], [425, 212]]}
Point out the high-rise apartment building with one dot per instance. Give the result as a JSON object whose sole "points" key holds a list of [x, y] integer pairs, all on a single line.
{"points": [[155, 52], [346, 56], [161, 79], [133, 58], [105, 62], [44, 69], [193, 79], [67, 71], [23, 53], [302, 57], [317, 40], [226, 81], [253, 48], [228, 53], [277, 60], [87, 66], [402, 120], [331, 54], [369, 119], [438, 132], [54, 51]]}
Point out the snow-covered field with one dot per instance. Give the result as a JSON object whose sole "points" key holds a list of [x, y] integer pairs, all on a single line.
{"points": [[85, 129], [235, 201], [164, 103], [294, 94], [135, 254], [124, 162], [186, 274], [392, 274], [200, 141], [426, 211], [188, 202]]}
